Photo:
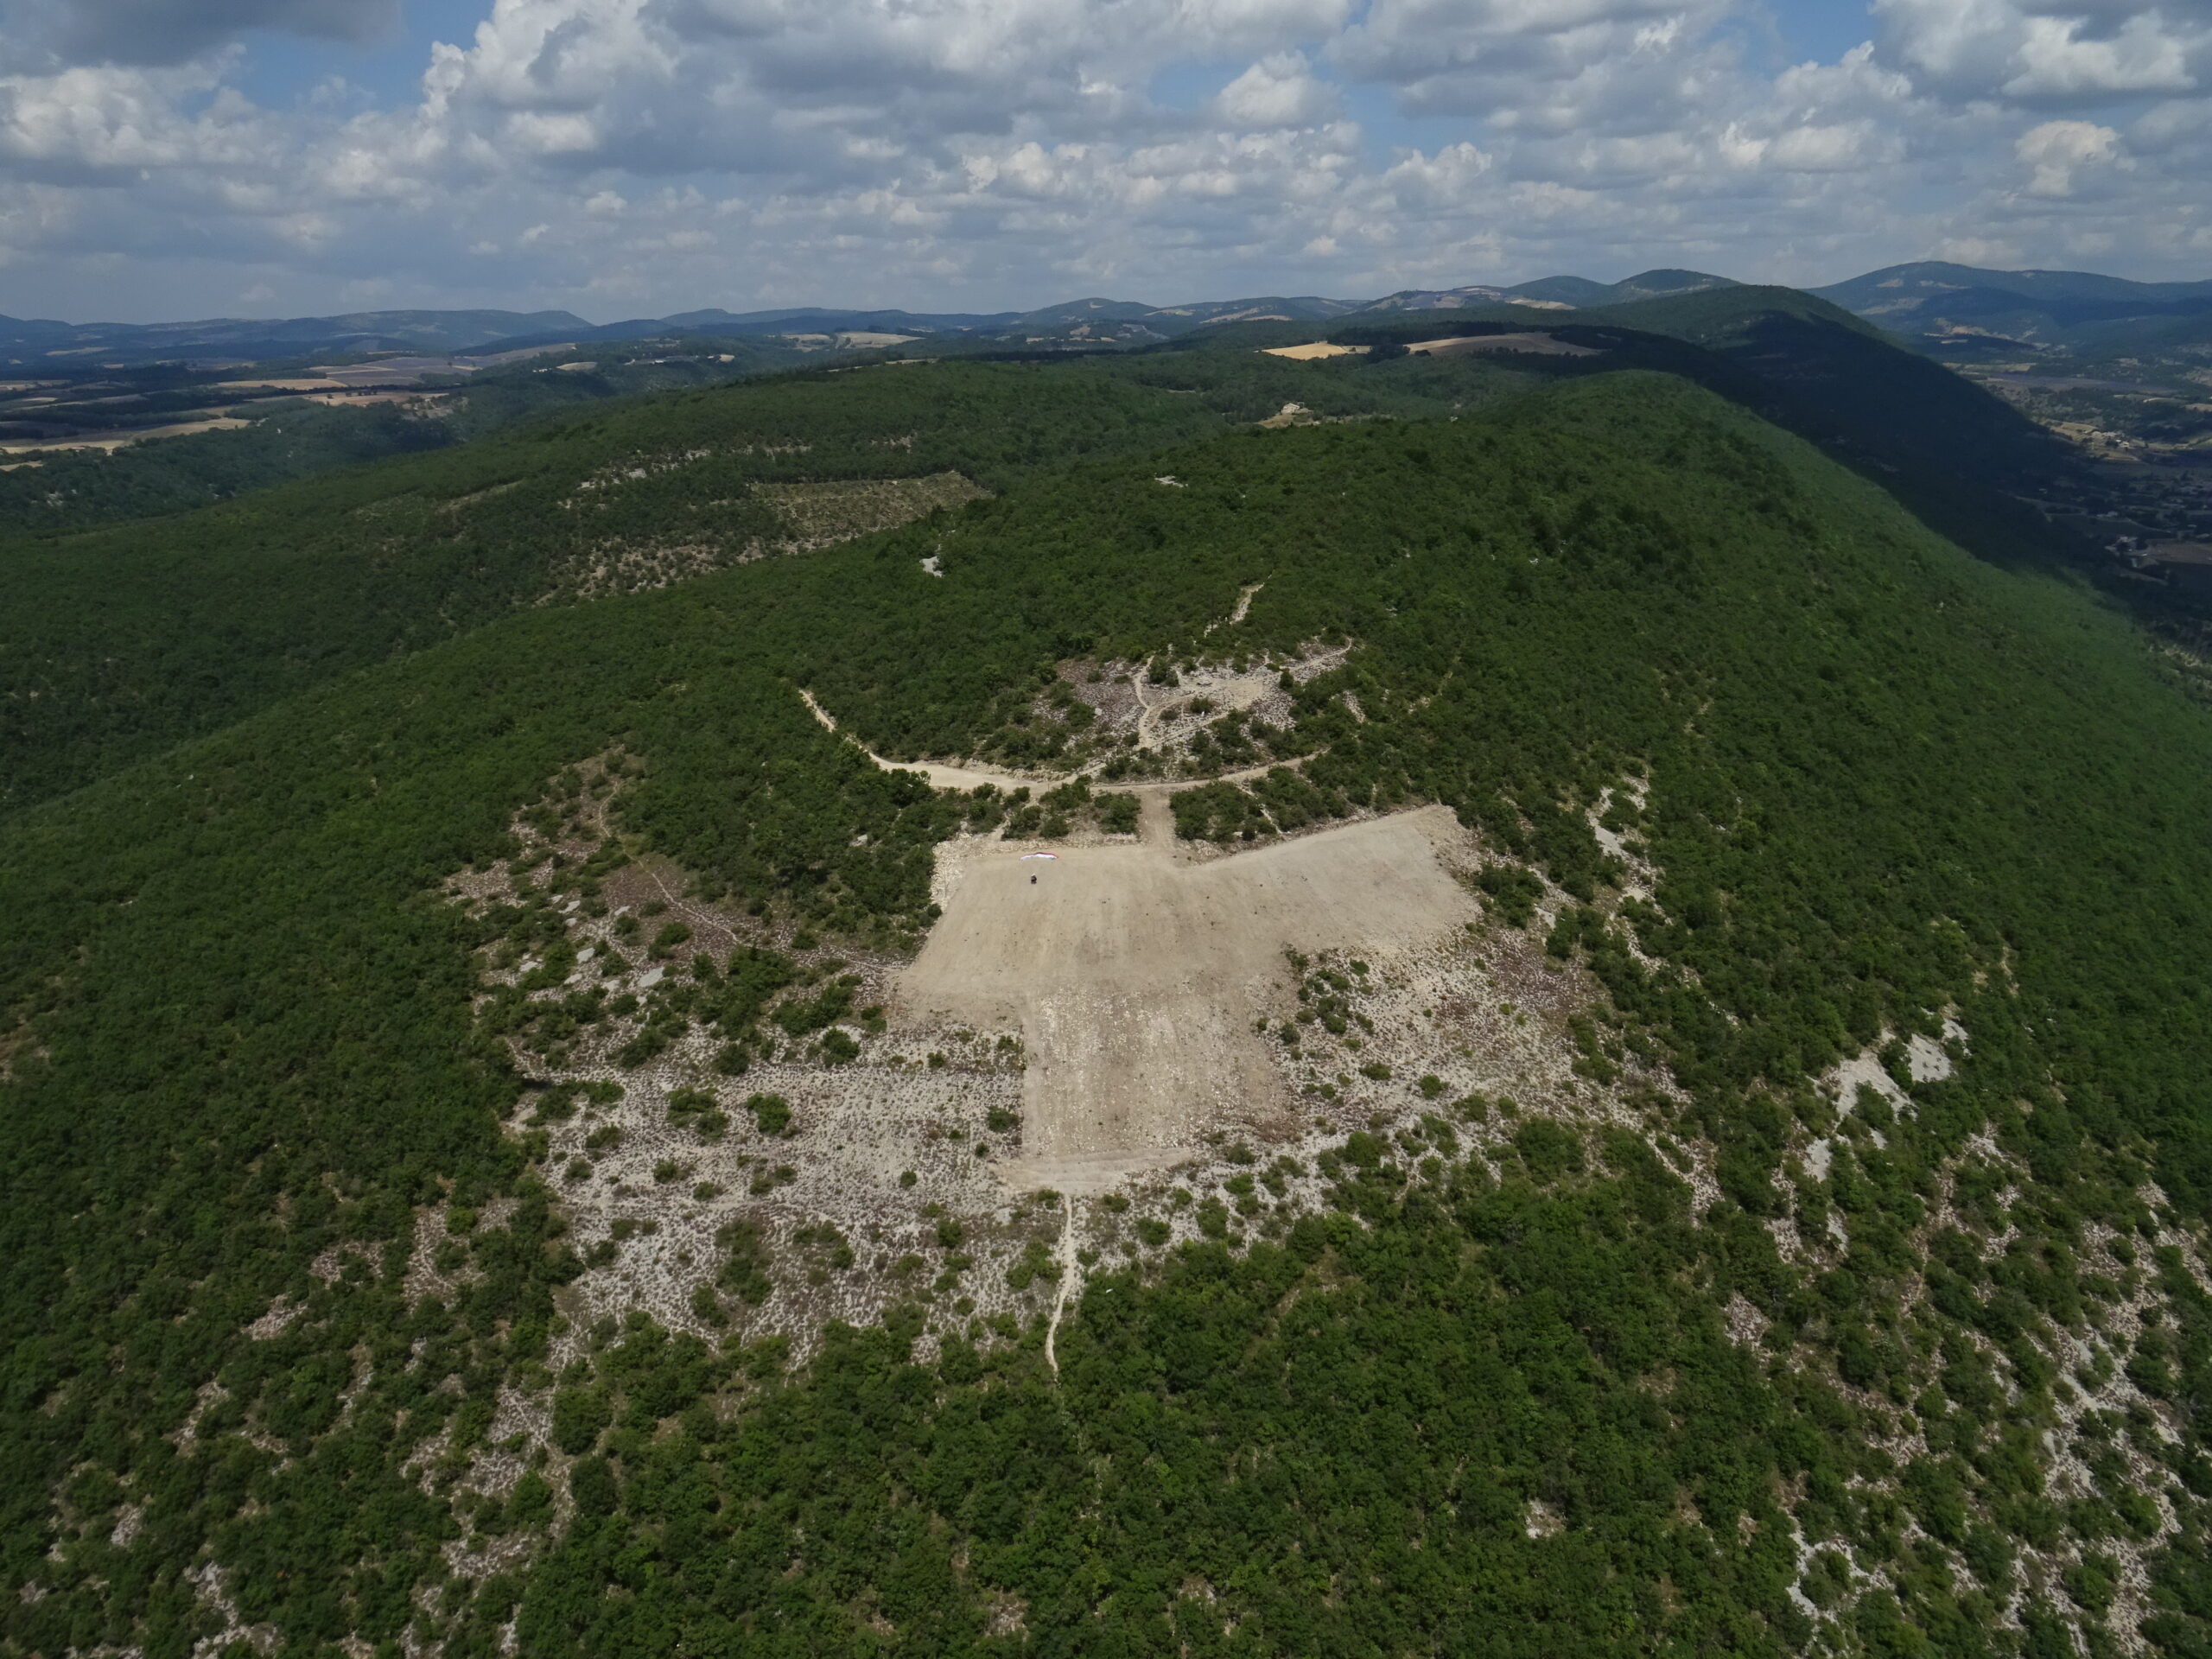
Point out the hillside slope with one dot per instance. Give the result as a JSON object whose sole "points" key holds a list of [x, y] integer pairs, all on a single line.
{"points": [[336, 1306], [1965, 312], [1904, 288], [1949, 449], [1900, 407], [116, 643]]}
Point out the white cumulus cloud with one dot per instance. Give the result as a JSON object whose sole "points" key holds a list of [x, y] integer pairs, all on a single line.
{"points": [[2057, 150], [972, 154]]}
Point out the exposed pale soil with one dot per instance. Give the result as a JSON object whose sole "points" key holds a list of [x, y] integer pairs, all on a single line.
{"points": [[1135, 975], [1161, 720], [1134, 1012]]}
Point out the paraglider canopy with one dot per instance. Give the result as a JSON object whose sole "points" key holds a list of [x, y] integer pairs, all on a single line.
{"points": [[1026, 857]]}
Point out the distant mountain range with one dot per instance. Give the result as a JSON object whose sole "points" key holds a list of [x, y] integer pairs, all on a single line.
{"points": [[1964, 313], [1123, 321], [1127, 321], [256, 340], [1954, 311]]}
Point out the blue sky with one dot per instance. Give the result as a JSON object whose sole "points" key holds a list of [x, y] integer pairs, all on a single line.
{"points": [[628, 157], [279, 66]]}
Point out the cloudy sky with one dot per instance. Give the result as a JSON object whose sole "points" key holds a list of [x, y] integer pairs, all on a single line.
{"points": [[169, 158]]}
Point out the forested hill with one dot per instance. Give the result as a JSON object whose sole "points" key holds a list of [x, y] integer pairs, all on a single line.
{"points": [[119, 642], [1846, 1295], [1953, 452], [1931, 434], [125, 640]]}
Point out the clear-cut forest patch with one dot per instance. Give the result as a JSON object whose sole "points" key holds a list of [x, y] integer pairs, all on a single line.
{"points": [[1140, 981]]}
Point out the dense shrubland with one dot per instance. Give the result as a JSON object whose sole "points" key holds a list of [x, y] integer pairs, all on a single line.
{"points": [[75, 490], [1480, 1400], [118, 642]]}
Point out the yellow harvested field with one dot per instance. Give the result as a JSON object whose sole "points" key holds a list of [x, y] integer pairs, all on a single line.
{"points": [[303, 382], [357, 399], [114, 441], [1312, 349]]}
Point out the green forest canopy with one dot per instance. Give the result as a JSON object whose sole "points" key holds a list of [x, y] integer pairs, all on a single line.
{"points": [[1886, 782], [118, 642]]}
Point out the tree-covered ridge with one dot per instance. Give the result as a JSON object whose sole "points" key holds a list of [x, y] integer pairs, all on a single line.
{"points": [[286, 438], [62, 490], [1885, 783], [117, 643], [141, 635], [1594, 537], [1955, 454]]}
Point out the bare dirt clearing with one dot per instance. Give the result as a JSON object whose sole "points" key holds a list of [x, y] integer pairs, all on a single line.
{"points": [[1132, 1021], [1313, 349], [1165, 718], [1136, 976]]}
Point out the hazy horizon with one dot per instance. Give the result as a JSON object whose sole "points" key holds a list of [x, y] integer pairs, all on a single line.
{"points": [[610, 318]]}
